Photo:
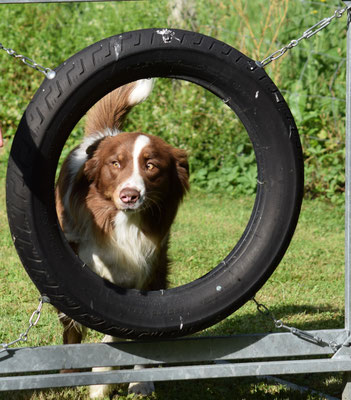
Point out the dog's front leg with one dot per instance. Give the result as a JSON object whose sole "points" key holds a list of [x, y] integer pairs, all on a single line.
{"points": [[73, 332], [100, 391], [143, 388]]}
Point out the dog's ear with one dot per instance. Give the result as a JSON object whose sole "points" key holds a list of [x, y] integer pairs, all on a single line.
{"points": [[91, 167], [92, 164], [182, 168], [92, 148]]}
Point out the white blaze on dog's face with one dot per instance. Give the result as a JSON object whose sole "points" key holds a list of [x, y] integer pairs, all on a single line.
{"points": [[130, 195], [135, 170]]}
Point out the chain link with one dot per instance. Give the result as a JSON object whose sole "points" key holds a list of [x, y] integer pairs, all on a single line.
{"points": [[306, 35], [49, 73], [33, 321], [262, 309]]}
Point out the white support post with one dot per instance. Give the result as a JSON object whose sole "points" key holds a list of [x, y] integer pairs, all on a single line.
{"points": [[347, 182], [346, 395]]}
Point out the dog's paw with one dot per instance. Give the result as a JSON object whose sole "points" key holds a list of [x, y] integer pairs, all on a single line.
{"points": [[142, 388], [99, 391]]}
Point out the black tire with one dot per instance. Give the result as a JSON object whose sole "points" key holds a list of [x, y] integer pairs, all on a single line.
{"points": [[52, 114]]}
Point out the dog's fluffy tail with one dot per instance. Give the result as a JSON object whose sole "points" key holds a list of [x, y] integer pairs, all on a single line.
{"points": [[111, 110]]}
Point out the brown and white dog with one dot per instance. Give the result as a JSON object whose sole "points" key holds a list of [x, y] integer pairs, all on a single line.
{"points": [[116, 198]]}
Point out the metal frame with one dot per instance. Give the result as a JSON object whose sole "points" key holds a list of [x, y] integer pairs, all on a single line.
{"points": [[229, 356], [195, 358]]}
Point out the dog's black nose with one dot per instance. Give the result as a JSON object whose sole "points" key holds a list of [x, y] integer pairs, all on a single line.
{"points": [[129, 195]]}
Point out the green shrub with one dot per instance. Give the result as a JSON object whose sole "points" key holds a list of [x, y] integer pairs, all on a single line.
{"points": [[311, 77]]}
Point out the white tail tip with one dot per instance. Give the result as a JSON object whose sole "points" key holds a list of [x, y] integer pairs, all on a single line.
{"points": [[141, 91]]}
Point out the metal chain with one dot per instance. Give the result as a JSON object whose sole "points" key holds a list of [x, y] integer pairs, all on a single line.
{"points": [[33, 320], [261, 308], [306, 35], [49, 73]]}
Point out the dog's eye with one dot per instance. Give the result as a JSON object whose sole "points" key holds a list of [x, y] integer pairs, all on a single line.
{"points": [[116, 164], [150, 166]]}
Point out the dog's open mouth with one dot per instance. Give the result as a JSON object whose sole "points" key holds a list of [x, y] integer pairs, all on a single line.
{"points": [[132, 207], [130, 210]]}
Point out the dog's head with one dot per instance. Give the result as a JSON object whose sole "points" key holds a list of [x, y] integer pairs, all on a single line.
{"points": [[137, 171]]}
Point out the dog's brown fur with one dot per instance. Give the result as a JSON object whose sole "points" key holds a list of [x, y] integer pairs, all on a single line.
{"points": [[89, 198]]}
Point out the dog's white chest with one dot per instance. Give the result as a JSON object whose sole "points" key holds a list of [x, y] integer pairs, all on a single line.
{"points": [[126, 258]]}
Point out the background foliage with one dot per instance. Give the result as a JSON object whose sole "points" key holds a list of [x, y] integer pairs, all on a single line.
{"points": [[311, 77]]}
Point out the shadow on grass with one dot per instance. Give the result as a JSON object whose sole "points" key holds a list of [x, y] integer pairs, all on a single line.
{"points": [[219, 389], [227, 389], [305, 317]]}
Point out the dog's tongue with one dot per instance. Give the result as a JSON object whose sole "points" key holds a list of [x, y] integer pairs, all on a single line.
{"points": [[1, 141]]}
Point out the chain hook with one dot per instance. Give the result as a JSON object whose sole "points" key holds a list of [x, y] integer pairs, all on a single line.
{"points": [[33, 321], [279, 324]]}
